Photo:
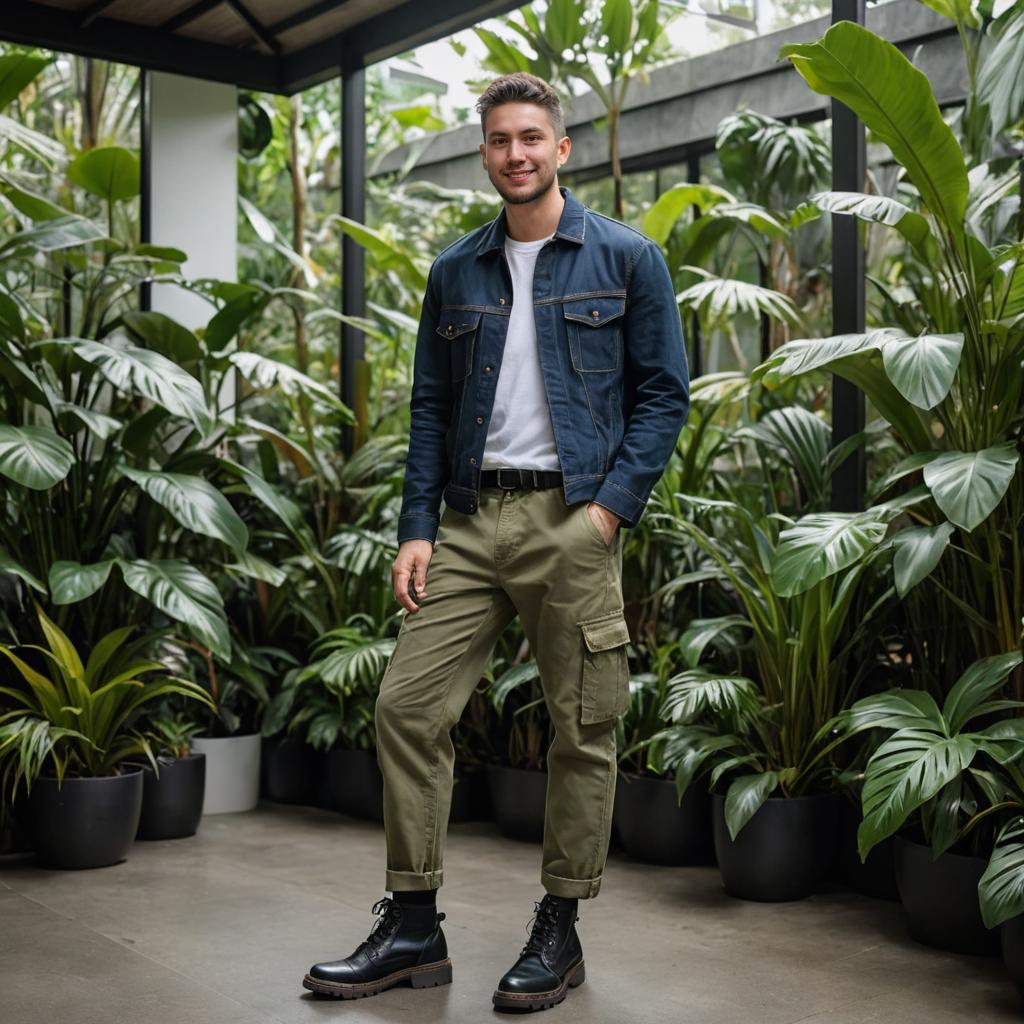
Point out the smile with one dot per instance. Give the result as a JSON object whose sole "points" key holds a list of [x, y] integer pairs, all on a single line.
{"points": [[518, 175]]}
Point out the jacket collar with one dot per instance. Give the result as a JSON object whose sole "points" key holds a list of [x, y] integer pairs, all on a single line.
{"points": [[572, 225]]}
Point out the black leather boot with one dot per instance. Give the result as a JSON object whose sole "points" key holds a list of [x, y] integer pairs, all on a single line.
{"points": [[550, 963], [406, 943]]}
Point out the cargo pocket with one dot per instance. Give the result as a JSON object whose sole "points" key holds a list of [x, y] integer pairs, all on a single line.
{"points": [[605, 682]]}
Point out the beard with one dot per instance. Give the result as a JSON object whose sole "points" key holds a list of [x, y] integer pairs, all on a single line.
{"points": [[544, 180]]}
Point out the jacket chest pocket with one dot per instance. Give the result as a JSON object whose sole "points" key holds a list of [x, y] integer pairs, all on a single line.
{"points": [[594, 328], [459, 328]]}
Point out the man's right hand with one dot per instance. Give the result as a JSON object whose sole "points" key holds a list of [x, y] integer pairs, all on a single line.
{"points": [[411, 564]]}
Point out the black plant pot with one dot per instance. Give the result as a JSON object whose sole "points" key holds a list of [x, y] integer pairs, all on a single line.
{"points": [[877, 875], [172, 804], [356, 784], [1012, 936], [518, 796], [941, 899], [471, 798], [653, 826], [782, 853], [288, 771], [86, 823]]}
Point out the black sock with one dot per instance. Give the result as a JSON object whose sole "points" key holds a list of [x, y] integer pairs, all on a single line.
{"points": [[565, 901], [416, 897]]}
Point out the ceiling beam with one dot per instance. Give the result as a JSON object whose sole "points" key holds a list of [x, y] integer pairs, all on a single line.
{"points": [[93, 11], [182, 18], [255, 26], [34, 24]]}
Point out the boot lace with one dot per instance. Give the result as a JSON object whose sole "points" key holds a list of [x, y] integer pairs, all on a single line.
{"points": [[544, 934], [388, 918]]}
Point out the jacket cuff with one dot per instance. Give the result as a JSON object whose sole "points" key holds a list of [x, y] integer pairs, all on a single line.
{"points": [[626, 505], [418, 526]]}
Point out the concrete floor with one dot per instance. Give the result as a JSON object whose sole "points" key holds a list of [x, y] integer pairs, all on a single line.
{"points": [[220, 928]]}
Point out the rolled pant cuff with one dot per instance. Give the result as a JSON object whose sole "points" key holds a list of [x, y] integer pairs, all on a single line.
{"points": [[570, 888], [405, 881]]}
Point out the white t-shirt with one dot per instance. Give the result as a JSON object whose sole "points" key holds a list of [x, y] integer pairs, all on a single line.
{"points": [[520, 433]]}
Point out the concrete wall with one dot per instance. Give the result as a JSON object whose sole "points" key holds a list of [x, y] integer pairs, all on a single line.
{"points": [[680, 107], [193, 132]]}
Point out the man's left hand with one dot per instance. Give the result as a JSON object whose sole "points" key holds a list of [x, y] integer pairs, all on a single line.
{"points": [[605, 520]]}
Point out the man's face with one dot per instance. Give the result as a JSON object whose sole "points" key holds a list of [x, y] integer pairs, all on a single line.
{"points": [[520, 153]]}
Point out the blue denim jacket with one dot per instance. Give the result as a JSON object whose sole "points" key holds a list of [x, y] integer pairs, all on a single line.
{"points": [[611, 352]]}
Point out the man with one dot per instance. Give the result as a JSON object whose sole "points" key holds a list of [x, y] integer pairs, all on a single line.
{"points": [[550, 386]]}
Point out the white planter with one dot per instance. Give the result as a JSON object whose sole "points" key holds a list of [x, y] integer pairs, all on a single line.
{"points": [[232, 772]]}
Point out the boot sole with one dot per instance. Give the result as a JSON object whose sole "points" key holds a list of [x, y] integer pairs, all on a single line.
{"points": [[423, 976], [574, 977]]}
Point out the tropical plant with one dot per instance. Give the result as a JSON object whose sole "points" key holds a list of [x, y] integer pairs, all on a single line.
{"points": [[1001, 888], [807, 595], [935, 765], [78, 717], [951, 381], [170, 731]]}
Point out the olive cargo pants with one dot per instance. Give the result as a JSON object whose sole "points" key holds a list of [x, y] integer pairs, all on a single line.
{"points": [[523, 552]]}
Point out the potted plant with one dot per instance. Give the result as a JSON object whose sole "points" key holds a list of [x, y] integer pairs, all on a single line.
{"points": [[936, 782], [652, 822], [519, 788], [230, 736], [68, 738], [803, 599], [474, 747], [1001, 892], [288, 764], [333, 700], [173, 790]]}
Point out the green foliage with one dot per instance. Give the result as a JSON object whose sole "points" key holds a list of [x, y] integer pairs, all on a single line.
{"points": [[78, 716]]}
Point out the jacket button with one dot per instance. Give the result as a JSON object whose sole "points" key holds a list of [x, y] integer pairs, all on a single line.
{"points": [[501, 302], [479, 419], [472, 461], [595, 314], [451, 328], [487, 369]]}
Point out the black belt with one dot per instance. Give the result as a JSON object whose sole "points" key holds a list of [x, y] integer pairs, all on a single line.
{"points": [[520, 479]]}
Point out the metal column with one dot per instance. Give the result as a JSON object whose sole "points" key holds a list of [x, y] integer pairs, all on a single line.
{"points": [[354, 368], [849, 166]]}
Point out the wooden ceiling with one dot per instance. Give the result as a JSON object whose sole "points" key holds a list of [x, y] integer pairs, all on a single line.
{"points": [[274, 45]]}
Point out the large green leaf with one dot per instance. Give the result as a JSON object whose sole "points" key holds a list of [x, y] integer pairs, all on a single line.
{"points": [[917, 552], [270, 373], [34, 206], [34, 457], [618, 22], [17, 69], [967, 486], [184, 594], [164, 335], [110, 172], [51, 235], [895, 101], [979, 681], [673, 202], [701, 632], [195, 503], [923, 367], [697, 691], [819, 546], [148, 374], [745, 797], [1000, 82], [72, 581], [906, 770], [9, 565], [1001, 889], [722, 298], [895, 709], [881, 210]]}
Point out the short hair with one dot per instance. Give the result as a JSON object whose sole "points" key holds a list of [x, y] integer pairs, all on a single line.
{"points": [[522, 87]]}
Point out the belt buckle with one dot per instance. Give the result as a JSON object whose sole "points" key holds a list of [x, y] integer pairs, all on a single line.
{"points": [[509, 487]]}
